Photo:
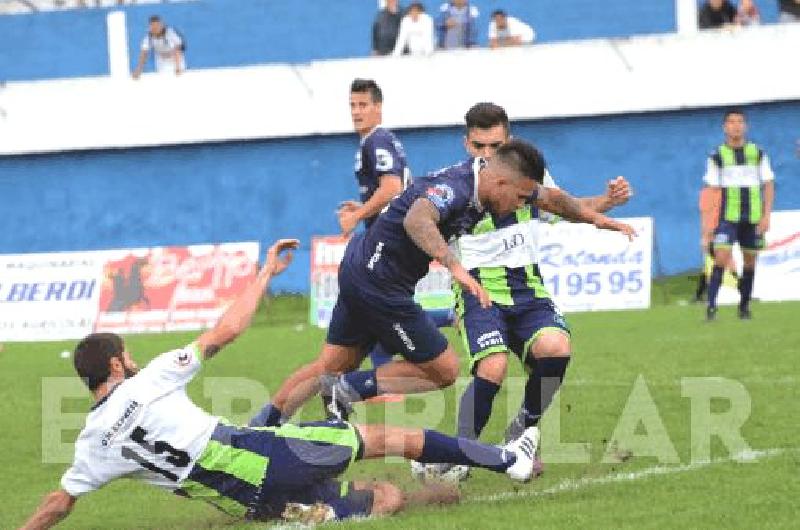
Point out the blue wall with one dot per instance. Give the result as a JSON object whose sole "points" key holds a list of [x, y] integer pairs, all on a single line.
{"points": [[226, 33], [263, 190]]}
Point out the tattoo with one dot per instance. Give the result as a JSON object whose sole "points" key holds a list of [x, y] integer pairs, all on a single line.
{"points": [[565, 205], [420, 224], [210, 351]]}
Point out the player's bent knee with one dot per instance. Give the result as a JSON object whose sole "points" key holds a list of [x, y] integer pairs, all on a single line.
{"points": [[493, 368], [445, 368], [551, 344], [388, 498]]}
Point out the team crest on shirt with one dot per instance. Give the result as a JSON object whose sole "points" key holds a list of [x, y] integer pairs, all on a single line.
{"points": [[441, 195], [183, 358], [383, 160]]}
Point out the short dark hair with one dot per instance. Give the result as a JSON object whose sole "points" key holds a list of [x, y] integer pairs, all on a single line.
{"points": [[498, 12], [731, 111], [154, 18], [92, 355], [416, 5], [367, 85], [485, 115], [524, 157]]}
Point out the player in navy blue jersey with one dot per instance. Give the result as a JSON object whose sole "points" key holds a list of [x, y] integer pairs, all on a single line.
{"points": [[382, 266]]}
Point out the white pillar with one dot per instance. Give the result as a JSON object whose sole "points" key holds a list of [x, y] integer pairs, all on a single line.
{"points": [[686, 16], [118, 59]]}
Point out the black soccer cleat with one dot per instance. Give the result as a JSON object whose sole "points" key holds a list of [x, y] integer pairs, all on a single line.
{"points": [[711, 314], [745, 314]]}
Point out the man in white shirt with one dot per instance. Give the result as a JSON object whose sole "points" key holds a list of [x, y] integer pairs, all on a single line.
{"points": [[144, 426], [509, 31], [416, 32], [167, 46]]}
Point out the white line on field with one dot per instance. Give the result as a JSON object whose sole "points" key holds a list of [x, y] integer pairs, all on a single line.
{"points": [[577, 484]]}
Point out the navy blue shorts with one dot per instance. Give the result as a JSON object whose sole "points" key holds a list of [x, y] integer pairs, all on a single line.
{"points": [[364, 316], [502, 328], [728, 233]]}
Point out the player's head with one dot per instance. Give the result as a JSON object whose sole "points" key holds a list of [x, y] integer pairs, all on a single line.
{"points": [[415, 10], [156, 25], [511, 177], [734, 125], [487, 129], [500, 19], [366, 105], [102, 356]]}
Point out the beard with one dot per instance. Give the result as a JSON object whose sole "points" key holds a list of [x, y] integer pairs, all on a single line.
{"points": [[130, 372]]}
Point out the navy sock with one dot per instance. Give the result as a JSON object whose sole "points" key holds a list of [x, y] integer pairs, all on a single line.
{"points": [[440, 448], [746, 287], [542, 385], [713, 285], [476, 407], [269, 416], [379, 356], [364, 383]]}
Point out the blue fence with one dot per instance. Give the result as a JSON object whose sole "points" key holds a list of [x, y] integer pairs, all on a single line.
{"points": [[263, 190], [226, 33]]}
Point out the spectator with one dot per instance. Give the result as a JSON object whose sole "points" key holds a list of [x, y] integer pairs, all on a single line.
{"points": [[716, 14], [416, 32], [789, 10], [508, 31], [385, 28], [747, 14], [457, 25], [168, 48]]}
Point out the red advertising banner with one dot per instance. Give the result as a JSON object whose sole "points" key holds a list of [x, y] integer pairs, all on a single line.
{"points": [[172, 288]]}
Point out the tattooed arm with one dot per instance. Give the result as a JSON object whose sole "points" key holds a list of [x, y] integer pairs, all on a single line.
{"points": [[568, 207], [420, 224]]}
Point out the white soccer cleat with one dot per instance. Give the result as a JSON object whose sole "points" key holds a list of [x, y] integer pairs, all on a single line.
{"points": [[525, 447]]}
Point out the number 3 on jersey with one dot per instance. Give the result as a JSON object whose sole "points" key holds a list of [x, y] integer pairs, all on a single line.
{"points": [[177, 457]]}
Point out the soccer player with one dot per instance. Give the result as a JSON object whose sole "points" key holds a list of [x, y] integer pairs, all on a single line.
{"points": [[381, 267], [143, 426], [381, 169], [741, 179], [522, 317]]}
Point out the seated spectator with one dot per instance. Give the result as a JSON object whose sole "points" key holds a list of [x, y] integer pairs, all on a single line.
{"points": [[716, 14], [457, 25], [789, 10], [416, 32], [508, 31], [747, 14], [385, 28], [167, 46]]}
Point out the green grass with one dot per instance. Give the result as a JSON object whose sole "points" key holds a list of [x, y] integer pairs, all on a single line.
{"points": [[663, 345]]}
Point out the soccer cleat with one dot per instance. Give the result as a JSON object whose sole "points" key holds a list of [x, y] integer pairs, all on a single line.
{"points": [[745, 314], [446, 473], [711, 314], [308, 513], [337, 406], [525, 448]]}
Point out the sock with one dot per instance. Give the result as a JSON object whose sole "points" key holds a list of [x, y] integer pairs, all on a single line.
{"points": [[476, 407], [713, 285], [439, 448], [269, 416], [702, 283], [379, 356], [542, 385], [364, 383], [746, 287]]}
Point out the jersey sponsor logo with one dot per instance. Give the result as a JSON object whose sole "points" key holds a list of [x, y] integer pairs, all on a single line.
{"points": [[441, 195], [130, 410], [404, 336], [491, 338], [183, 358], [384, 161], [376, 256]]}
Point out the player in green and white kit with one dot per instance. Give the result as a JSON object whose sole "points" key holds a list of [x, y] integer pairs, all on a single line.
{"points": [[501, 254]]}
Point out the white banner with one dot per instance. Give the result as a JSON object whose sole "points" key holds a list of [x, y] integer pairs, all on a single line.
{"points": [[586, 269], [49, 296], [778, 268]]}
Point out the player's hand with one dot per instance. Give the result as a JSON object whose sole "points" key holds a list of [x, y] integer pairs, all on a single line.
{"points": [[135, 75], [763, 226], [471, 285], [276, 263], [348, 220], [619, 191], [606, 223], [348, 206]]}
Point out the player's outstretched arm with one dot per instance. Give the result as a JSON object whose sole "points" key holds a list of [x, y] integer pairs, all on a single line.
{"points": [[54, 507], [238, 316], [420, 223], [618, 192], [568, 207]]}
